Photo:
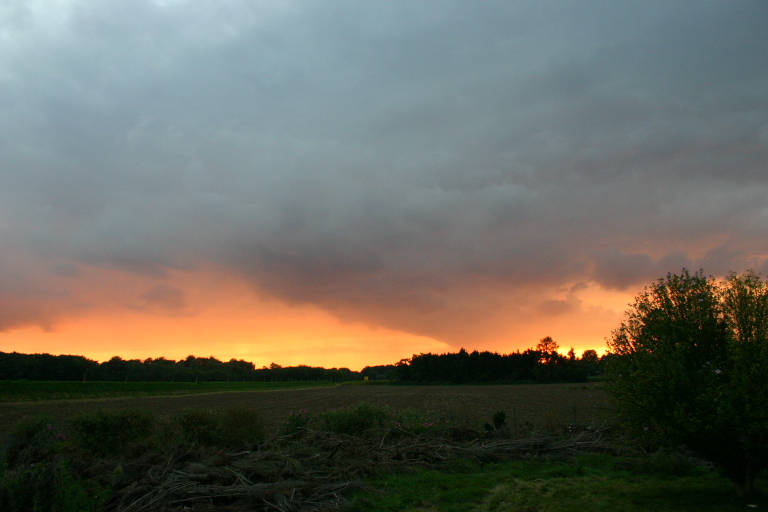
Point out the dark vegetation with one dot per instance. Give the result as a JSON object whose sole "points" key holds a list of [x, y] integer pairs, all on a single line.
{"points": [[540, 364], [691, 368], [555, 482], [444, 447], [364, 457], [46, 367], [222, 459], [528, 406]]}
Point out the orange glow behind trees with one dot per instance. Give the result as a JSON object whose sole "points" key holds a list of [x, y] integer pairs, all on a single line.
{"points": [[220, 316]]}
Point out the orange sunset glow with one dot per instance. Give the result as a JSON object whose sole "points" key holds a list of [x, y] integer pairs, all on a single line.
{"points": [[224, 318], [280, 183]]}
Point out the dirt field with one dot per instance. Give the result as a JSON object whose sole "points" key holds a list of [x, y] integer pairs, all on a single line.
{"points": [[542, 405]]}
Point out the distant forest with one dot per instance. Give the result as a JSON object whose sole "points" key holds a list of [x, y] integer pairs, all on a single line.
{"points": [[531, 365], [15, 366], [540, 364]]}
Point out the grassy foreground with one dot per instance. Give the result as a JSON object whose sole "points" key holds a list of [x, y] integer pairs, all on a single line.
{"points": [[24, 390], [300, 451], [594, 482]]}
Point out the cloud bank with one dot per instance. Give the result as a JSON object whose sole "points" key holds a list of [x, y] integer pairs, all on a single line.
{"points": [[442, 168]]}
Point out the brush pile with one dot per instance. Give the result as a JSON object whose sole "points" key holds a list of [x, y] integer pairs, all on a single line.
{"points": [[222, 460], [310, 471]]}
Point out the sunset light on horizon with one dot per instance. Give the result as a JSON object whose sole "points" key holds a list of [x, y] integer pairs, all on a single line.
{"points": [[225, 319], [345, 184]]}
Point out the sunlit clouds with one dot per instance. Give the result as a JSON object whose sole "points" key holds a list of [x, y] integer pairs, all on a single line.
{"points": [[340, 183]]}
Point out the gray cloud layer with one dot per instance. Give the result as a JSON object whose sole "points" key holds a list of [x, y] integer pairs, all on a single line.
{"points": [[404, 163]]}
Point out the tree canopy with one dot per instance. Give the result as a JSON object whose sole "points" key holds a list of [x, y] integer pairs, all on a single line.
{"points": [[690, 364]]}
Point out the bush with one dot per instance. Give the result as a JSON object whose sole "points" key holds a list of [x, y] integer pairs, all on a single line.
{"points": [[51, 487], [355, 421], [240, 428], [230, 428], [413, 421], [689, 366], [296, 422], [195, 427], [32, 440], [37, 473], [106, 432], [661, 462]]}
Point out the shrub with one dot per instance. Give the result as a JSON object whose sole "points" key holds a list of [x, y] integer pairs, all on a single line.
{"points": [[661, 462], [296, 422], [230, 428], [689, 367], [499, 419], [355, 421], [32, 440], [48, 486], [105, 432], [413, 421], [37, 473], [196, 427], [240, 428]]}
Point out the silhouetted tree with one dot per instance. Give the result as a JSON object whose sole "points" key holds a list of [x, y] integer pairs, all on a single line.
{"points": [[547, 346], [690, 364], [590, 362]]}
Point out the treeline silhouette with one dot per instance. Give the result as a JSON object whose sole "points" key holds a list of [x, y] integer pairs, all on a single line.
{"points": [[540, 364], [532, 365], [16, 366]]}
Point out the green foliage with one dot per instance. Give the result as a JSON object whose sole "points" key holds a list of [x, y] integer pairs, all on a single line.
{"points": [[196, 427], [230, 428], [689, 367], [48, 487], [36, 476], [661, 462], [412, 421], [499, 419], [105, 432], [31, 441], [594, 482], [499, 424], [356, 420], [240, 428], [296, 422]]}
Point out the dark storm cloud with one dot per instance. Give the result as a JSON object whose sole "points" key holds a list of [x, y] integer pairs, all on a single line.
{"points": [[163, 298], [428, 166]]}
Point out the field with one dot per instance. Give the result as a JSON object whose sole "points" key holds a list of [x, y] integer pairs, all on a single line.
{"points": [[378, 448], [528, 406], [22, 390]]}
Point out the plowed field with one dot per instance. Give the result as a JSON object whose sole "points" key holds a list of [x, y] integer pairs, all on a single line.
{"points": [[531, 405]]}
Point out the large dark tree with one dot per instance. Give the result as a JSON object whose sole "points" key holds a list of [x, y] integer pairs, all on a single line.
{"points": [[690, 364]]}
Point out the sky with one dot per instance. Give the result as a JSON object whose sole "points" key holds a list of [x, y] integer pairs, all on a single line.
{"points": [[345, 183]]}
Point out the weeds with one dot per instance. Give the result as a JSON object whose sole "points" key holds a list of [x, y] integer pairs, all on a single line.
{"points": [[222, 460], [33, 440], [240, 428], [296, 423], [355, 421], [36, 473], [229, 428], [112, 432]]}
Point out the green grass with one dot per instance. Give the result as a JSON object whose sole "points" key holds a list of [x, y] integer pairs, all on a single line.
{"points": [[590, 482], [23, 390]]}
